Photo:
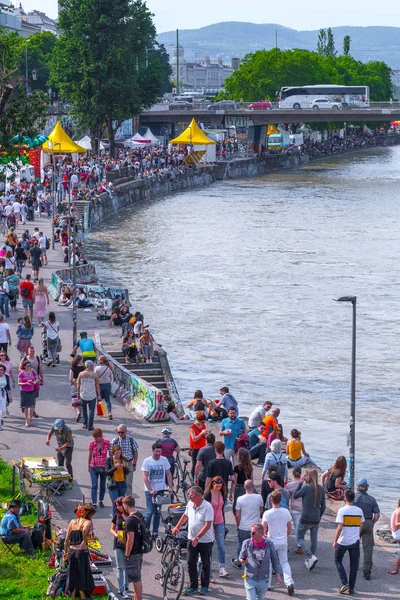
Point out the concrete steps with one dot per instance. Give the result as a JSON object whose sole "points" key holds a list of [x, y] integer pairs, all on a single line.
{"points": [[151, 372]]}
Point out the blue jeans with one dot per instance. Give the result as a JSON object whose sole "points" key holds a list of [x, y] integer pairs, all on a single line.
{"points": [[151, 512], [91, 407], [105, 393], [354, 556], [119, 490], [20, 266], [23, 539], [300, 534], [119, 554], [242, 536], [219, 532], [4, 305], [255, 589], [95, 484]]}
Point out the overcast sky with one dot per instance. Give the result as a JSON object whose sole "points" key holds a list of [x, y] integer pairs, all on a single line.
{"points": [[306, 14]]}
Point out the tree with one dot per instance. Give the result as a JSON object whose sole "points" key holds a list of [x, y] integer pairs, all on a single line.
{"points": [[346, 45], [39, 50], [321, 44], [104, 62], [330, 44], [19, 114]]}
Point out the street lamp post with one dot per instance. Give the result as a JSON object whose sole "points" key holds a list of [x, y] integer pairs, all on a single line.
{"points": [[352, 437], [26, 67]]}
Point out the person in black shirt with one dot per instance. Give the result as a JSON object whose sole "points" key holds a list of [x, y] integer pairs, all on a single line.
{"points": [[35, 256], [220, 466], [133, 548], [118, 531], [20, 257]]}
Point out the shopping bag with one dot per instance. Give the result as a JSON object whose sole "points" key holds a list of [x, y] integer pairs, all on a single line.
{"points": [[101, 408]]}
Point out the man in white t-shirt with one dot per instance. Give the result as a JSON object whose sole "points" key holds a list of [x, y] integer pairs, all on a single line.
{"points": [[249, 509], [43, 246], [277, 526], [347, 539], [5, 336], [17, 210], [155, 470]]}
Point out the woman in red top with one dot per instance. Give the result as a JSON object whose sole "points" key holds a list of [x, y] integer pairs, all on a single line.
{"points": [[277, 434], [98, 451], [197, 432]]}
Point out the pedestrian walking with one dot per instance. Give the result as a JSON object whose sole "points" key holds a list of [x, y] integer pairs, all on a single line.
{"points": [[313, 507], [169, 446], [130, 450], [257, 554], [13, 284], [52, 329], [133, 548], [5, 394], [295, 505], [25, 331], [205, 455], [116, 470], [347, 539], [27, 381], [105, 375], [155, 471], [216, 495], [20, 257], [197, 437], [199, 515], [4, 298], [35, 257], [371, 512], [80, 582], [26, 291], [117, 530], [219, 466], [65, 445], [249, 509], [242, 472], [5, 335], [42, 301], [76, 368], [277, 526], [98, 452], [88, 390]]}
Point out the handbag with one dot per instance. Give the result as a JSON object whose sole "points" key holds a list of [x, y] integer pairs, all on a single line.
{"points": [[99, 470], [101, 408], [111, 484]]}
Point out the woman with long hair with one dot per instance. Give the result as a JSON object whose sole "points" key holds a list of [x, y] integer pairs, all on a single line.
{"points": [[80, 582], [5, 393], [116, 471], [13, 285], [6, 361], [147, 345], [41, 301], [37, 366], [198, 403], [242, 472], [277, 434], [129, 348], [197, 433], [216, 494], [117, 530], [334, 478], [313, 507], [25, 331]]}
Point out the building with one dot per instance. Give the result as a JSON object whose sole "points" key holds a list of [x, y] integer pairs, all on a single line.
{"points": [[205, 74], [25, 24]]}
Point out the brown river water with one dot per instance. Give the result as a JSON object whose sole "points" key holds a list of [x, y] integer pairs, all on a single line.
{"points": [[237, 281]]}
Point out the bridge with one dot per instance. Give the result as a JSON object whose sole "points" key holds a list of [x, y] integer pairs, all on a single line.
{"points": [[246, 118]]}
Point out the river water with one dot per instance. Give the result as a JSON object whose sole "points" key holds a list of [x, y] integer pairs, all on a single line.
{"points": [[237, 281]]}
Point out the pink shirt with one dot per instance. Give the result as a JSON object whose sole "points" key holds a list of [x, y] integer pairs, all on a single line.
{"points": [[27, 387], [218, 506]]}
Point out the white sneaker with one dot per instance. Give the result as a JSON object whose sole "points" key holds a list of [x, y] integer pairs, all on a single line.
{"points": [[311, 562], [223, 572], [123, 595]]}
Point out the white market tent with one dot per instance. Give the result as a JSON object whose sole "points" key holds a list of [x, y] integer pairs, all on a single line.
{"points": [[86, 143], [138, 141], [149, 135]]}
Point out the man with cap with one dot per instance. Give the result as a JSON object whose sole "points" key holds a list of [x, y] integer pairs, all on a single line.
{"points": [[13, 532], [370, 508], [65, 444]]}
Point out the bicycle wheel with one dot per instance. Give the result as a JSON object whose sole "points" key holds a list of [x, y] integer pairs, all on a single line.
{"points": [[186, 484], [174, 581]]}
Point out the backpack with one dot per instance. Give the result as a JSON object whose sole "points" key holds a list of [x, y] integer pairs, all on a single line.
{"points": [[147, 542], [280, 467], [37, 535], [57, 583], [24, 292]]}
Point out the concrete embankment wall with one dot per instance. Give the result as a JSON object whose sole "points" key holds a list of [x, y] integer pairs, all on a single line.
{"points": [[132, 192], [255, 166]]}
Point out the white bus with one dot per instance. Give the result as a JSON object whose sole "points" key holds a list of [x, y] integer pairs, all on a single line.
{"points": [[350, 96]]}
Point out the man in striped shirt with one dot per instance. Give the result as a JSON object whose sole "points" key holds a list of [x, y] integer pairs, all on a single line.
{"points": [[130, 450], [347, 539]]}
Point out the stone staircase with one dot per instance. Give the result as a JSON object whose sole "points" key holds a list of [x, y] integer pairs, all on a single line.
{"points": [[219, 170], [151, 372]]}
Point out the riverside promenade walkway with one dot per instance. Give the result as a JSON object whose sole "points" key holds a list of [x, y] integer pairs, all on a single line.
{"points": [[54, 401]]}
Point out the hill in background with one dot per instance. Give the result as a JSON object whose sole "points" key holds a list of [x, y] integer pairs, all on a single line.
{"points": [[235, 39]]}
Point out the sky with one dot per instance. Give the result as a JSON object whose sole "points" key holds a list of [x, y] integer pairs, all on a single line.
{"points": [[307, 14]]}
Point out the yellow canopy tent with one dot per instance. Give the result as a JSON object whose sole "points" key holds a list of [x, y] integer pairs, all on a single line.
{"points": [[193, 135], [59, 142]]}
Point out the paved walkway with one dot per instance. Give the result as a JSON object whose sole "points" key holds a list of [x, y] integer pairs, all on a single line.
{"points": [[54, 401]]}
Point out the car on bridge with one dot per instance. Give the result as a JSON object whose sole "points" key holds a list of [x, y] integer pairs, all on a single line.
{"points": [[321, 103], [260, 105], [180, 104], [223, 105]]}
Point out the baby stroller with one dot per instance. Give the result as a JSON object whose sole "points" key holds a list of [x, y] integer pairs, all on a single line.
{"points": [[44, 357], [175, 510]]}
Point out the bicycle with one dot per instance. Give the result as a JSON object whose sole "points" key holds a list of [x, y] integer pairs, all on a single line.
{"points": [[182, 476], [172, 576]]}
